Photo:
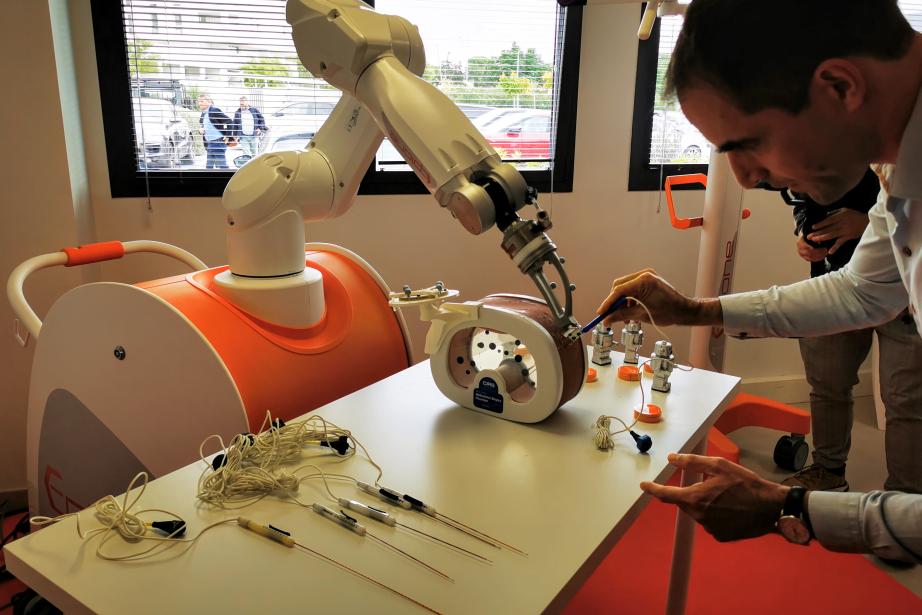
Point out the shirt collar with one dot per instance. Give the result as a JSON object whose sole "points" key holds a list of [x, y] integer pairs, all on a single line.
{"points": [[907, 181]]}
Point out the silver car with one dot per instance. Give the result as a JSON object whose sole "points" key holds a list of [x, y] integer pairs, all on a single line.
{"points": [[162, 136]]}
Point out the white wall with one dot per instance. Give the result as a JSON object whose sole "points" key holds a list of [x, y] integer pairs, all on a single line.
{"points": [[603, 230], [36, 206]]}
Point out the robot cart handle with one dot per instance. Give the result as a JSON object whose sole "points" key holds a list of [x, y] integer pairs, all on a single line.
{"points": [[70, 257]]}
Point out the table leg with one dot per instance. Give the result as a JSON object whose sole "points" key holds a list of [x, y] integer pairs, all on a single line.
{"points": [[682, 547]]}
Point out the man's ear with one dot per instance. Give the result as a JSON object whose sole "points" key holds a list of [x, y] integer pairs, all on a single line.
{"points": [[840, 82]]}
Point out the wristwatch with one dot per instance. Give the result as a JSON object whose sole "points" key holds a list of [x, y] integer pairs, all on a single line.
{"points": [[794, 523]]}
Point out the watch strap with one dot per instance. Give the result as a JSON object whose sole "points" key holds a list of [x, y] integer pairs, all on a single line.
{"points": [[795, 505], [794, 502]]}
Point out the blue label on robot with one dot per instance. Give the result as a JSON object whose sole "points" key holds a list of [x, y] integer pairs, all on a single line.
{"points": [[487, 397]]}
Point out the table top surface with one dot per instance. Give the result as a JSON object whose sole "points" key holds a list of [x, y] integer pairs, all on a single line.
{"points": [[543, 488]]}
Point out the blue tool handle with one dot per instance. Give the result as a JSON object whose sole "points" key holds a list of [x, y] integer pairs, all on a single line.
{"points": [[619, 302]]}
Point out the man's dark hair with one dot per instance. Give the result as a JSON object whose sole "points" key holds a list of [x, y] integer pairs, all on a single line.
{"points": [[762, 53]]}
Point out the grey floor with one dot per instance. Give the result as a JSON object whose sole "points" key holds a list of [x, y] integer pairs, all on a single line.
{"points": [[866, 468]]}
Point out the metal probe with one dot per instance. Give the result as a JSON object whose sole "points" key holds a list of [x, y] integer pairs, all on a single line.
{"points": [[352, 524], [387, 519], [283, 537]]}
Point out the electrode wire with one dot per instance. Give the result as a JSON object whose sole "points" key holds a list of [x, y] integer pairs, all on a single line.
{"points": [[660, 331], [603, 436], [293, 499], [445, 542], [245, 474], [335, 499], [458, 525], [117, 519], [364, 576], [405, 554]]}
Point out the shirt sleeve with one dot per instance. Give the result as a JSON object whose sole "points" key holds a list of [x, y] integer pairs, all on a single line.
{"points": [[868, 291], [886, 523]]}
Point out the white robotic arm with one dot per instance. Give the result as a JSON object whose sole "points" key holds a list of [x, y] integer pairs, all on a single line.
{"points": [[375, 60]]}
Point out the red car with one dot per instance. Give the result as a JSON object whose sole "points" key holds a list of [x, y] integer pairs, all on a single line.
{"points": [[525, 135]]}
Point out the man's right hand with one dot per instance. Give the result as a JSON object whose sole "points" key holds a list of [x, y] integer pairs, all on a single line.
{"points": [[667, 305], [808, 252]]}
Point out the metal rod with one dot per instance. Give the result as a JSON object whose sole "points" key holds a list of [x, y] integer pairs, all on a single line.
{"points": [[497, 541], [471, 534], [445, 542], [366, 577], [415, 559]]}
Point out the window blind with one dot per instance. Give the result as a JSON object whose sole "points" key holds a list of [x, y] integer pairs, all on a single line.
{"points": [[191, 62]]}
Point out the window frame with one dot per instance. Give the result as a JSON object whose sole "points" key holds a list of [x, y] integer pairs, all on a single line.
{"points": [[643, 175], [126, 181]]}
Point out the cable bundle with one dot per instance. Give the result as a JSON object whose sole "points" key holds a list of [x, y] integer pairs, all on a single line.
{"points": [[117, 519], [248, 469]]}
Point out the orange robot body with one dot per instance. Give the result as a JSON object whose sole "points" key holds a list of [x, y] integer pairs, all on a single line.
{"points": [[290, 371]]}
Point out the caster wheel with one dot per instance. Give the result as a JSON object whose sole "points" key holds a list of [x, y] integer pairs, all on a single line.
{"points": [[791, 453]]}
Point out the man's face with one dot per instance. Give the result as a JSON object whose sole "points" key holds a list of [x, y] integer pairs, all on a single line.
{"points": [[244, 104], [202, 103], [820, 151]]}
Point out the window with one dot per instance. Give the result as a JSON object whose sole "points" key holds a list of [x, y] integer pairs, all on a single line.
{"points": [[511, 67], [663, 142]]}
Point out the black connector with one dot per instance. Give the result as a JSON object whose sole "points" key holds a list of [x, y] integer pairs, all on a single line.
{"points": [[174, 529], [340, 445], [390, 495], [219, 461], [416, 503]]}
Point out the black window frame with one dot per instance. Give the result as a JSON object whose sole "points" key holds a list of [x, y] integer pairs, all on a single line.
{"points": [[125, 180], [642, 174]]}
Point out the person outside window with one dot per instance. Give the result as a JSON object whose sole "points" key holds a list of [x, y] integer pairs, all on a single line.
{"points": [[217, 132], [249, 126]]}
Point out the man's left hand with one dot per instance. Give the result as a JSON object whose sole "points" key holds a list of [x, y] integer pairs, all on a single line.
{"points": [[842, 225], [731, 502]]}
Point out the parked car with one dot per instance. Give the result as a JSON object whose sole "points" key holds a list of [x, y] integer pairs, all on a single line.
{"points": [[483, 122], [287, 141], [306, 116], [163, 138], [522, 136], [473, 111]]}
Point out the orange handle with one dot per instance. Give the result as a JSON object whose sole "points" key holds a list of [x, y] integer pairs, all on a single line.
{"points": [[679, 180], [94, 253]]}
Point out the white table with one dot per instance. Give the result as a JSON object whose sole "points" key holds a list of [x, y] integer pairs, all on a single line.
{"points": [[543, 488]]}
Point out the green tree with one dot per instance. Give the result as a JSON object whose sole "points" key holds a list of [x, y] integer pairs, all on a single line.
{"points": [[481, 71], [485, 71], [141, 60], [515, 86], [526, 64], [264, 73]]}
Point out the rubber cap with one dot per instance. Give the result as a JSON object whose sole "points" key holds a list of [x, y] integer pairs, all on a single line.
{"points": [[592, 375], [629, 373], [652, 414]]}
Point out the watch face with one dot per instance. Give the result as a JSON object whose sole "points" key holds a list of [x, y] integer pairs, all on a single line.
{"points": [[794, 530]]}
